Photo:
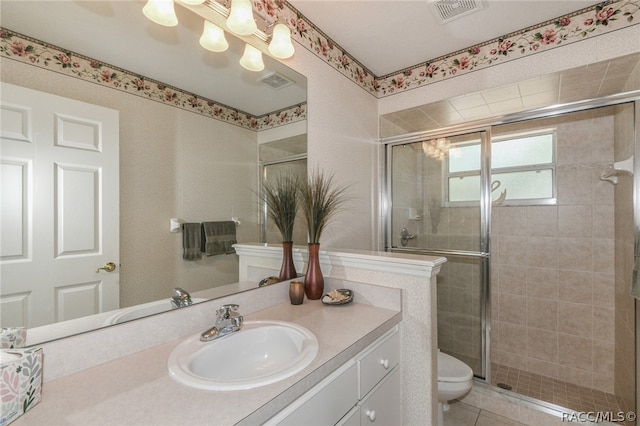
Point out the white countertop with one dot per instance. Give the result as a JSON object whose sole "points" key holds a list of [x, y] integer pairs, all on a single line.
{"points": [[137, 390]]}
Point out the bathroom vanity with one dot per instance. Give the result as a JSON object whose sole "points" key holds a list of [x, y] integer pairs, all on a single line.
{"points": [[366, 389], [136, 389], [381, 349]]}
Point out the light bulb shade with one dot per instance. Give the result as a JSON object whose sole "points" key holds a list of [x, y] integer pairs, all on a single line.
{"points": [[192, 2], [281, 45], [213, 38], [252, 59], [161, 12], [240, 20]]}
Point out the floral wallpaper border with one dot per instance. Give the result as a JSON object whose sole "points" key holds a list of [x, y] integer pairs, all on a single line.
{"points": [[596, 20], [41, 54], [610, 15]]}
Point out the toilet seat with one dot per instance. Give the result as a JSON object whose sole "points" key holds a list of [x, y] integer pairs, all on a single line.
{"points": [[452, 370]]}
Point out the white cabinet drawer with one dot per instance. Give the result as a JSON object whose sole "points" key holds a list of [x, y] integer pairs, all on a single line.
{"points": [[327, 403], [378, 361], [352, 418], [383, 406]]}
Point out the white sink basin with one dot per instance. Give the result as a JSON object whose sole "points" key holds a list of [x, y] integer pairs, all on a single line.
{"points": [[261, 353], [141, 311]]}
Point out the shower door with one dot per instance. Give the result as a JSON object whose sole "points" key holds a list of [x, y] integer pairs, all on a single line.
{"points": [[437, 192]]}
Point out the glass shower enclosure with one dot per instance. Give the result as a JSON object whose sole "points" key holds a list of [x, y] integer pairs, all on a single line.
{"points": [[536, 215], [437, 209]]}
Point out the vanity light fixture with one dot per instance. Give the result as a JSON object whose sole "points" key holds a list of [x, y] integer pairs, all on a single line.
{"points": [[252, 59], [238, 19], [213, 38], [281, 45], [161, 12]]}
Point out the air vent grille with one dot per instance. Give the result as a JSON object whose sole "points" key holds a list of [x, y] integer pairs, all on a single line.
{"points": [[448, 10], [275, 80]]}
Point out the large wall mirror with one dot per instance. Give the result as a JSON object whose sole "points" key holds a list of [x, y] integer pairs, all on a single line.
{"points": [[196, 162]]}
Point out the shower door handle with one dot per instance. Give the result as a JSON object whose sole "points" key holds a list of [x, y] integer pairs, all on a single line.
{"points": [[405, 237]]}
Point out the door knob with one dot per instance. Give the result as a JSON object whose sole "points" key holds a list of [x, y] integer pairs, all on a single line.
{"points": [[108, 267]]}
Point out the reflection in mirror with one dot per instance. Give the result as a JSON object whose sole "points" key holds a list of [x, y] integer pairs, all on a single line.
{"points": [[284, 157], [190, 122]]}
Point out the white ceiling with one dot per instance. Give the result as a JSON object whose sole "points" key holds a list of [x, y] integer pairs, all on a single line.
{"points": [[388, 36]]}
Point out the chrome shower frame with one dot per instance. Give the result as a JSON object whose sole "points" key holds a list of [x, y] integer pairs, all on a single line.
{"points": [[485, 126]]}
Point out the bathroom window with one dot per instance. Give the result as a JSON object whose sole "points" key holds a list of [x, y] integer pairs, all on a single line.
{"points": [[522, 170]]}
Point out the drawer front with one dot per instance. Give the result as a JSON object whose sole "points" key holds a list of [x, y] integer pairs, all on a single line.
{"points": [[352, 418], [329, 404], [375, 364], [383, 406]]}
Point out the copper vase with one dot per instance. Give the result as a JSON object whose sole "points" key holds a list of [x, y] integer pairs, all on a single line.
{"points": [[313, 279], [296, 292], [288, 269]]}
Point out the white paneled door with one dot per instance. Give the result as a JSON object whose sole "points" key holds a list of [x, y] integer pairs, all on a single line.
{"points": [[59, 197]]}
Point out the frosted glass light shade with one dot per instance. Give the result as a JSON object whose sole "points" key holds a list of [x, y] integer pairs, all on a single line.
{"points": [[281, 46], [252, 59], [213, 38], [161, 12], [240, 20]]}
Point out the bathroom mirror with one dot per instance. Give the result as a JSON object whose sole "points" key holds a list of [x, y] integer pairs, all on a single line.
{"points": [[174, 163]]}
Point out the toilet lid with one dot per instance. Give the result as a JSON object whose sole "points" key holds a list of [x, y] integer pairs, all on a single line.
{"points": [[451, 369]]}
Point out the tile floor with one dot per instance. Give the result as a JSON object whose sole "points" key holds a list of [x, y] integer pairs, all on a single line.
{"points": [[577, 398], [461, 414]]}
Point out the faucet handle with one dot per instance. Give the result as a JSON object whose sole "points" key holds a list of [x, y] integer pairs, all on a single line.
{"points": [[224, 311]]}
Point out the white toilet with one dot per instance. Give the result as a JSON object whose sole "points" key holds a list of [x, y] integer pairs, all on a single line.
{"points": [[454, 380]]}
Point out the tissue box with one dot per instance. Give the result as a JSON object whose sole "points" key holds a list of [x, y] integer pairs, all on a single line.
{"points": [[13, 337], [20, 382]]}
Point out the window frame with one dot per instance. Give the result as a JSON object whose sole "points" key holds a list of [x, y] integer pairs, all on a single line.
{"points": [[553, 200]]}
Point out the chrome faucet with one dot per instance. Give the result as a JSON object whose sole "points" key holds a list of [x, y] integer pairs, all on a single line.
{"points": [[228, 321], [181, 298]]}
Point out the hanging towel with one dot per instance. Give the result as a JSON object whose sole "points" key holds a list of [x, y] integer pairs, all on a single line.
{"points": [[191, 241], [218, 237]]}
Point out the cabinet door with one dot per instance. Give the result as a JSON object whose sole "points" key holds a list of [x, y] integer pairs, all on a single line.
{"points": [[383, 406]]}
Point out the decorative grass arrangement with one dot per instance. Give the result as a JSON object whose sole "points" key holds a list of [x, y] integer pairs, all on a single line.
{"points": [[282, 201], [320, 200]]}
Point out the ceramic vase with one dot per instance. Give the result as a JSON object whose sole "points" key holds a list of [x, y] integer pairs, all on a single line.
{"points": [[313, 279], [288, 268]]}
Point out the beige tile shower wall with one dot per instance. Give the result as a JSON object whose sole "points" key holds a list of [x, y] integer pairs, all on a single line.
{"points": [[553, 266], [624, 350]]}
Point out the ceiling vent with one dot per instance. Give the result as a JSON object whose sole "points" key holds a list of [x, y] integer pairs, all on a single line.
{"points": [[275, 81], [448, 10]]}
